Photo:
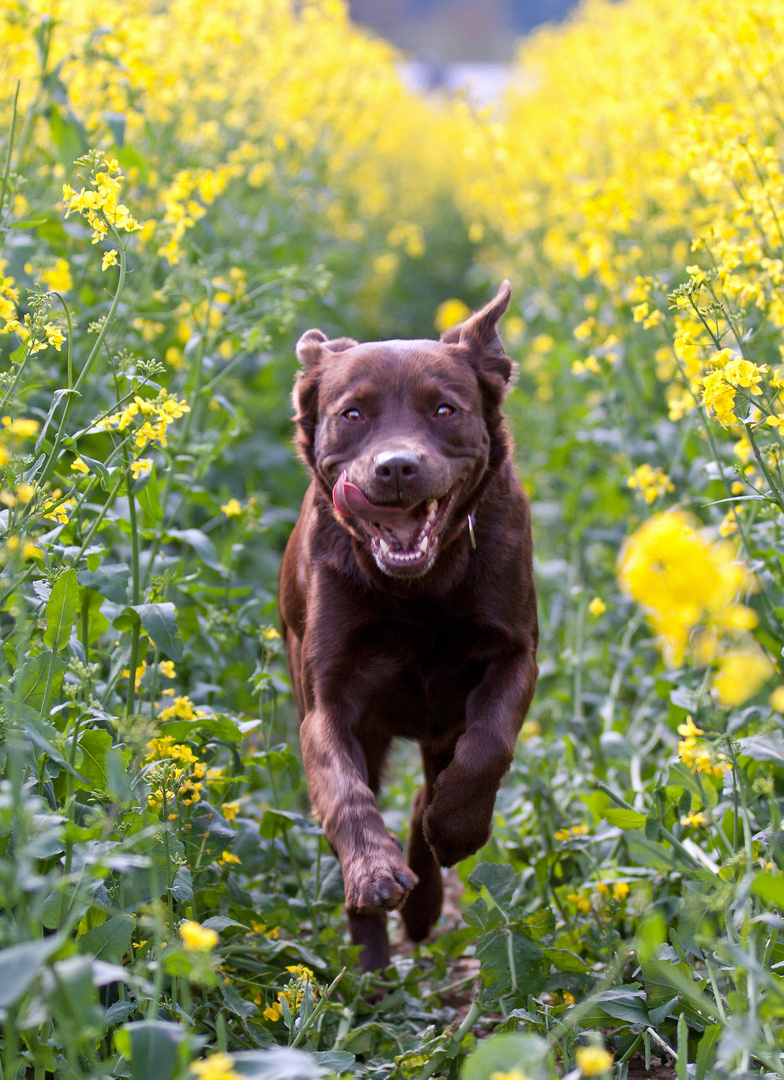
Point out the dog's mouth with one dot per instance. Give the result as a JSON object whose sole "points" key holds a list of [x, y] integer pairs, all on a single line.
{"points": [[404, 540]]}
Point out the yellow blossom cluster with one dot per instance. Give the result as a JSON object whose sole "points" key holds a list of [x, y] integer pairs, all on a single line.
{"points": [[265, 95], [698, 755], [155, 414], [293, 993], [650, 482], [99, 203], [684, 580]]}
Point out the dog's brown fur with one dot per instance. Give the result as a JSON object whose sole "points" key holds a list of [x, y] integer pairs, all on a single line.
{"points": [[443, 653]]}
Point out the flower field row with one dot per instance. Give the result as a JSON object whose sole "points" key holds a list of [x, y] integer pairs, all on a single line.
{"points": [[184, 191]]}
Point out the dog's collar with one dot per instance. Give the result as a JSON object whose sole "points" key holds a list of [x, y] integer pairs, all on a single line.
{"points": [[470, 520]]}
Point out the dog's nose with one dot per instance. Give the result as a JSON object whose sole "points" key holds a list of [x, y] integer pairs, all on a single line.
{"points": [[397, 465]]}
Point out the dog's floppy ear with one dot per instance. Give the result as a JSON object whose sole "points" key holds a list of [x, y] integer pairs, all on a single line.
{"points": [[309, 347], [313, 349], [479, 334]]}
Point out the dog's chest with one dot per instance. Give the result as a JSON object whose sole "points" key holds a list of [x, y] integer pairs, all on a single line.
{"points": [[434, 671]]}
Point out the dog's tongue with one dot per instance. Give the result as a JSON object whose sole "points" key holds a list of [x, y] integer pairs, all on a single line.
{"points": [[351, 502]]}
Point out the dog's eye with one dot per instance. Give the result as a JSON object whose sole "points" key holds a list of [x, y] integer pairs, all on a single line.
{"points": [[445, 410], [352, 414]]}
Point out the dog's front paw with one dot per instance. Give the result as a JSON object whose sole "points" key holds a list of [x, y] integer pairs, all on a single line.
{"points": [[377, 881], [456, 828]]}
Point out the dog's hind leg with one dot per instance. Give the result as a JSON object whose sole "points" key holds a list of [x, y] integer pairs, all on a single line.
{"points": [[423, 904]]}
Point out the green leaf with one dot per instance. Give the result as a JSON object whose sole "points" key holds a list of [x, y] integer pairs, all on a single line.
{"points": [[764, 747], [98, 469], [621, 1003], [769, 887], [152, 1047], [200, 543], [160, 622], [705, 1054], [61, 610], [20, 964], [510, 961], [30, 680], [510, 1052], [624, 819], [94, 744], [566, 960], [215, 724], [72, 996], [499, 879], [110, 941], [147, 496]]}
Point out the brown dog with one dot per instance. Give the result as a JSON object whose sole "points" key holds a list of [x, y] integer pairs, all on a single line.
{"points": [[408, 604]]}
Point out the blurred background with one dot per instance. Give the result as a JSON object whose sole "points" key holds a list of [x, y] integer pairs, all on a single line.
{"points": [[458, 45]]}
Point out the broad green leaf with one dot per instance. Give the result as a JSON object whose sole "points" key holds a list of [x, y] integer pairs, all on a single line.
{"points": [[624, 819], [508, 1053], [61, 610], [152, 1047], [110, 941], [73, 997], [20, 964], [281, 1063], [30, 679], [764, 747], [769, 887], [160, 622], [200, 543], [510, 961], [147, 496], [500, 880], [95, 744]]}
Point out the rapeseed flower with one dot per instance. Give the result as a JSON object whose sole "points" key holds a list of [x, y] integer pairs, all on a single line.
{"points": [[215, 1067], [593, 1060], [197, 938], [681, 579]]}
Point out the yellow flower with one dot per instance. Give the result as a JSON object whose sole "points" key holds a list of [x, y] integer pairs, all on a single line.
{"points": [[689, 729], [273, 1012], [59, 277], [197, 938], [166, 668], [695, 819], [182, 708], [740, 676], [230, 810], [776, 699], [227, 859], [513, 1074], [109, 259], [54, 335], [215, 1067], [581, 900], [79, 466], [450, 313], [597, 606], [21, 428], [593, 1060], [126, 674], [650, 482], [620, 890], [140, 466], [681, 578], [232, 508]]}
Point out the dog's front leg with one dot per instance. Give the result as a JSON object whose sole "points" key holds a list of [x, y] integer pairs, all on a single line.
{"points": [[460, 816], [375, 875]]}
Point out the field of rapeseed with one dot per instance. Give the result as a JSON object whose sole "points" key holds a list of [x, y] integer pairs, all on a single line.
{"points": [[186, 188]]}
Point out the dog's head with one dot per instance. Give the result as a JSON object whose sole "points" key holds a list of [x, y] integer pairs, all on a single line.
{"points": [[403, 435]]}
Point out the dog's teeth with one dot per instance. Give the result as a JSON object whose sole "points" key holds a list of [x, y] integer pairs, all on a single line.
{"points": [[423, 544], [432, 509], [384, 546]]}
